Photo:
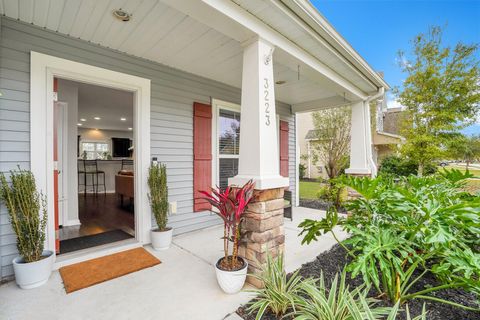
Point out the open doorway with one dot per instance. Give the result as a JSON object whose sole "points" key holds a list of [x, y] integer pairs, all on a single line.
{"points": [[95, 156]]}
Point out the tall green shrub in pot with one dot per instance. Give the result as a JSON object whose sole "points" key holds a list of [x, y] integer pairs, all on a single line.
{"points": [[28, 216], [158, 196]]}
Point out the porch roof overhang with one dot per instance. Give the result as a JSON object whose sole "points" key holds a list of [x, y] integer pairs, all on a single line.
{"points": [[317, 66]]}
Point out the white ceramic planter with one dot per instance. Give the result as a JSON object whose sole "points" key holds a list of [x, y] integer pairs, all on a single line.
{"points": [[231, 281], [33, 274], [161, 240]]}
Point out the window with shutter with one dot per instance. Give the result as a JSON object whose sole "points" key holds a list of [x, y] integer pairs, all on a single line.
{"points": [[228, 138]]}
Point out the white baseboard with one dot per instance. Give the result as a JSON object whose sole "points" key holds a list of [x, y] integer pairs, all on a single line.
{"points": [[99, 192], [73, 222]]}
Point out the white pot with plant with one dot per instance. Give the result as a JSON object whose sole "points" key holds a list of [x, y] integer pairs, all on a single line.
{"points": [[158, 196], [28, 215], [231, 270]]}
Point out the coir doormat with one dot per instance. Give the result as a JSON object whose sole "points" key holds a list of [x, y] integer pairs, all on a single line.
{"points": [[88, 273]]}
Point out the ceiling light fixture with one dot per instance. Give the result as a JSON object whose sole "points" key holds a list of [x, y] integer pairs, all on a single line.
{"points": [[122, 15], [79, 124], [123, 119], [96, 118], [83, 119], [130, 128]]}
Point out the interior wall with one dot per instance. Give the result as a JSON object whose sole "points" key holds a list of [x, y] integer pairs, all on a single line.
{"points": [[68, 92], [102, 135]]}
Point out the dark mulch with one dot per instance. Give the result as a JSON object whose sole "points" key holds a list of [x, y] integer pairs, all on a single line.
{"points": [[332, 262], [318, 204]]}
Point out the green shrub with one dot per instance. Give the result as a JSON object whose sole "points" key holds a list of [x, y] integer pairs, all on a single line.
{"points": [[301, 170], [427, 224], [24, 204], [397, 166], [333, 192], [279, 293], [322, 193], [158, 196]]}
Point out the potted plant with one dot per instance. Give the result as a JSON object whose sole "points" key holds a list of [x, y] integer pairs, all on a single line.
{"points": [[231, 270], [158, 196], [24, 204]]}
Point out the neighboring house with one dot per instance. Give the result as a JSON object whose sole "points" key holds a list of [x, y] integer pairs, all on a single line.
{"points": [[307, 135], [215, 88], [385, 138]]}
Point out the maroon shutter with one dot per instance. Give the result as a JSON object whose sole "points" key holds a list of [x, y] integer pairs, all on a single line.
{"points": [[202, 154], [284, 148]]}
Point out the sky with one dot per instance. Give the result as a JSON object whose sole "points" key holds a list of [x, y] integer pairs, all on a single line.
{"points": [[378, 29]]}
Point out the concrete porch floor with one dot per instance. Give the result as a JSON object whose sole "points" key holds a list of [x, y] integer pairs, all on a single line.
{"points": [[183, 286]]}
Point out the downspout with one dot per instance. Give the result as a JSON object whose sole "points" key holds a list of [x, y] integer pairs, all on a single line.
{"points": [[368, 133]]}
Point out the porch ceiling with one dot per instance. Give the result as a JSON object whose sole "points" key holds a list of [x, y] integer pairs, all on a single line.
{"points": [[164, 34]]}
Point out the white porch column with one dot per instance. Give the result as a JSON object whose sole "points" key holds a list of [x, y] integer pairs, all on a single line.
{"points": [[361, 156], [259, 158]]}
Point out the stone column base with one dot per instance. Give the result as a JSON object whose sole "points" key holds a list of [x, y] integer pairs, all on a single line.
{"points": [[262, 231]]}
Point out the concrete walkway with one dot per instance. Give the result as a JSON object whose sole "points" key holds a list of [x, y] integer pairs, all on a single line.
{"points": [[183, 286]]}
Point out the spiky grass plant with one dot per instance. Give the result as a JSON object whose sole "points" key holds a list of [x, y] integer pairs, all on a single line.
{"points": [[27, 212], [280, 292], [338, 302], [158, 196]]}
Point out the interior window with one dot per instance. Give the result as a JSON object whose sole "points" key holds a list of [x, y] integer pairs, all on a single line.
{"points": [[228, 145], [94, 150]]}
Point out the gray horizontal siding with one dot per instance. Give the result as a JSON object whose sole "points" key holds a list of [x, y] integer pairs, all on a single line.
{"points": [[172, 95]]}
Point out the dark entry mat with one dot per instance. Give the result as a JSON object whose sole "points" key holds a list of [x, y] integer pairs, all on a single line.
{"points": [[85, 242]]}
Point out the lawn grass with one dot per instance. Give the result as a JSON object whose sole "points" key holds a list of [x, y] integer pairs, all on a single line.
{"points": [[309, 190], [475, 172]]}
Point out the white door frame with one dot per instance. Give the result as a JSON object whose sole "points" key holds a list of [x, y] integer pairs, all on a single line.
{"points": [[63, 156], [43, 69]]}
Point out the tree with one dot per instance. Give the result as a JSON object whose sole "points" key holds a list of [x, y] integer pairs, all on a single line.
{"points": [[466, 148], [441, 94], [332, 134]]}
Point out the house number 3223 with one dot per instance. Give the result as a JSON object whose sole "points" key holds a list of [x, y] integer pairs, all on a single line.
{"points": [[266, 92]]}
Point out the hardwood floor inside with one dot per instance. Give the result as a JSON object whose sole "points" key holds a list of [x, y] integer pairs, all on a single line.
{"points": [[99, 214]]}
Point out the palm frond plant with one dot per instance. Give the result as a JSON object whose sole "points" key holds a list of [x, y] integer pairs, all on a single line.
{"points": [[280, 292], [27, 210], [401, 231], [338, 302]]}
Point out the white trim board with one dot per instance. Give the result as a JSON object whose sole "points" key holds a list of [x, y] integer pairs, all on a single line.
{"points": [[43, 69]]}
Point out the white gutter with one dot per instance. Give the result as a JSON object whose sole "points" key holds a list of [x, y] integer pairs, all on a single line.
{"points": [[368, 129]]}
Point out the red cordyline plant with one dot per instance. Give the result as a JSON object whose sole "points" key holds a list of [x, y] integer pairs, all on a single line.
{"points": [[231, 204]]}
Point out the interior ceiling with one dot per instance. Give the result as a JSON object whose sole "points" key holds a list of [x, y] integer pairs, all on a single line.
{"points": [[162, 34], [110, 105]]}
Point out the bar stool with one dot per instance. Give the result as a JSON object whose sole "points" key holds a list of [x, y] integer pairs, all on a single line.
{"points": [[91, 168], [80, 171]]}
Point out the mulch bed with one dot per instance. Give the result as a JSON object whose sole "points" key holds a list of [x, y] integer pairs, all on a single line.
{"points": [[318, 204], [332, 262]]}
